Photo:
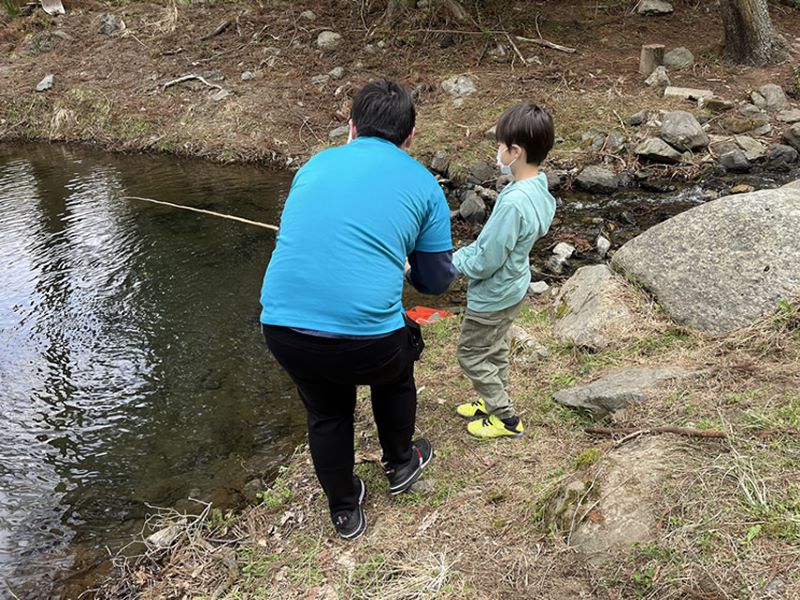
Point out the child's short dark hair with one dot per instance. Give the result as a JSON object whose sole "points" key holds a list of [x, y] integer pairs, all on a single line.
{"points": [[530, 127], [384, 109]]}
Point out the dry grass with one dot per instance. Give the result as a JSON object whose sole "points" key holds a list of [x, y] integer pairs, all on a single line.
{"points": [[728, 512]]}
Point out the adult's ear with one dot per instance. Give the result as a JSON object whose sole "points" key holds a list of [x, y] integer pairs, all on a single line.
{"points": [[410, 138]]}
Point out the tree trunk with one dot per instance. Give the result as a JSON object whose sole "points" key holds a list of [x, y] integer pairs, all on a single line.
{"points": [[749, 36]]}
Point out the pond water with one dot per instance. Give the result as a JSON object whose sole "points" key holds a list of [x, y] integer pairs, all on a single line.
{"points": [[132, 369]]}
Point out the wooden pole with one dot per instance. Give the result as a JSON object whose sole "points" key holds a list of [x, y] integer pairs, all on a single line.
{"points": [[203, 211], [652, 57]]}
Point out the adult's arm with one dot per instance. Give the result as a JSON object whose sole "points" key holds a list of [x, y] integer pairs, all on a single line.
{"points": [[431, 272]]}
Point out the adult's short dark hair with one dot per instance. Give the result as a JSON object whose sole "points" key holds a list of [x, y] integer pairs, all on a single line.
{"points": [[384, 109], [530, 127]]}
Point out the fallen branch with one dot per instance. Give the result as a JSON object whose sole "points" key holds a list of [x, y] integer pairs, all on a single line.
{"points": [[514, 46], [700, 433], [187, 78]]}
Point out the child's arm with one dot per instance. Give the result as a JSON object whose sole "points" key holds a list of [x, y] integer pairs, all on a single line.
{"points": [[490, 251]]}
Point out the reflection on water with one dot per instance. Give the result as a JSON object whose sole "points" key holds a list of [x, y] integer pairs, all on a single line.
{"points": [[131, 365]]}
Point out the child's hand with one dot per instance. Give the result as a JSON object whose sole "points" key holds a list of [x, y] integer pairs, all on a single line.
{"points": [[407, 268]]}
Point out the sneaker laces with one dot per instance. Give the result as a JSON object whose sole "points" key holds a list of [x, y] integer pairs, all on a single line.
{"points": [[477, 403]]}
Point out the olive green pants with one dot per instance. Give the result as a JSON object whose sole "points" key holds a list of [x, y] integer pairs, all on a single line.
{"points": [[483, 355]]}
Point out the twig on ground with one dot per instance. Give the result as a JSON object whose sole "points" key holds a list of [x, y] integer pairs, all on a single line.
{"points": [[543, 42], [220, 28], [688, 432], [188, 78], [514, 46]]}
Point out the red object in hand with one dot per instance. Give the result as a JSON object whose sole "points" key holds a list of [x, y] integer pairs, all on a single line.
{"points": [[424, 315]]}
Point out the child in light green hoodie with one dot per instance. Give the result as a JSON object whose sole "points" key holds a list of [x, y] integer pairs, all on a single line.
{"points": [[498, 269]]}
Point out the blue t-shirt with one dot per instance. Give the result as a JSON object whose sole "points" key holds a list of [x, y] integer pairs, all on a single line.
{"points": [[353, 215]]}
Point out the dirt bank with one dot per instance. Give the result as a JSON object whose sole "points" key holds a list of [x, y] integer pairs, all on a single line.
{"points": [[110, 89]]}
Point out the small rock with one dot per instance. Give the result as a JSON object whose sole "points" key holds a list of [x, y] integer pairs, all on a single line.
{"points": [[491, 133], [320, 80], [424, 486], [337, 72], [658, 78], [220, 95], [735, 161], [339, 132], [792, 135], [308, 15], [775, 97], [758, 100], [765, 129], [498, 51], [615, 142], [459, 86], [556, 180], [742, 188], [595, 179], [252, 489], [46, 83], [480, 172], [247, 76], [502, 182], [687, 93], [636, 119], [440, 163], [679, 58], [715, 104], [538, 287], [779, 154], [564, 250], [682, 131], [655, 8], [750, 110], [110, 24], [657, 150], [789, 116], [486, 193], [328, 40], [602, 245], [163, 538], [473, 208], [555, 264], [753, 149]]}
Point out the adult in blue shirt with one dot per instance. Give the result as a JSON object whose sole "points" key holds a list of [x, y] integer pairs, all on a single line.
{"points": [[332, 313]]}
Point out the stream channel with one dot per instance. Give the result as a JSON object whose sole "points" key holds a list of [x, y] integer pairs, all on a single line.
{"points": [[132, 370]]}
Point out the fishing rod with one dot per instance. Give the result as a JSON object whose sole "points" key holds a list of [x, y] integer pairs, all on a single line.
{"points": [[203, 211]]}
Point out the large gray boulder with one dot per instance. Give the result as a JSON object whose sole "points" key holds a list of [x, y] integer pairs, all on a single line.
{"points": [[597, 180], [459, 86], [657, 150], [721, 266], [589, 309], [619, 390], [682, 131]]}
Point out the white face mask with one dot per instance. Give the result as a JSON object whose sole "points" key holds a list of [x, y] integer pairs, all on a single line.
{"points": [[504, 169]]}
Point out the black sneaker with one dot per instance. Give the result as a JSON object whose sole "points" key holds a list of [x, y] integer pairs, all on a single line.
{"points": [[352, 523], [402, 478]]}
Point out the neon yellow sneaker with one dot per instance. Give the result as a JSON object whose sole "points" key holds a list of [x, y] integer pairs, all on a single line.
{"points": [[470, 410], [492, 427]]}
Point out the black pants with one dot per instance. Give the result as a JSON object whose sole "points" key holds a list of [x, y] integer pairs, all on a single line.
{"points": [[326, 372]]}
